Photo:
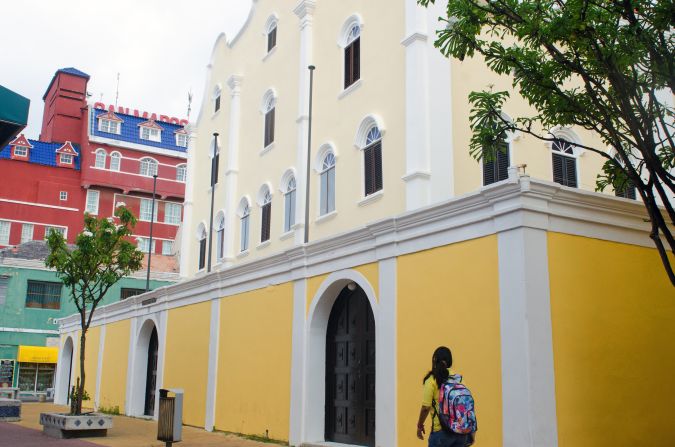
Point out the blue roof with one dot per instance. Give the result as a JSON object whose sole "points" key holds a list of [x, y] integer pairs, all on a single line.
{"points": [[68, 70], [43, 153], [130, 132]]}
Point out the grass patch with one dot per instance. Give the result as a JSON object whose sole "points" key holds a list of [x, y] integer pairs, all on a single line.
{"points": [[115, 411], [258, 438]]}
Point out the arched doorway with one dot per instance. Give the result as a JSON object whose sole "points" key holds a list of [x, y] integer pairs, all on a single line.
{"points": [[350, 369], [151, 374], [64, 371]]}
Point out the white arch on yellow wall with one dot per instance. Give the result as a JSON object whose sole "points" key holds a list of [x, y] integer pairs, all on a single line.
{"points": [[65, 367], [140, 344], [315, 339]]}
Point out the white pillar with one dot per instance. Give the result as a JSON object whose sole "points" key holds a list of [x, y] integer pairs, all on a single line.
{"points": [[99, 367], [305, 12], [186, 229], [212, 381], [386, 423], [232, 171], [528, 391], [298, 359]]}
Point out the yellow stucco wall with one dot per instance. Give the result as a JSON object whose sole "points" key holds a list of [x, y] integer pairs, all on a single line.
{"points": [[613, 344], [114, 368], [254, 362], [462, 280], [186, 364]]}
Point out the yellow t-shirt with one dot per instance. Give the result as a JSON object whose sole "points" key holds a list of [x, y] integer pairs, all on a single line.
{"points": [[430, 397]]}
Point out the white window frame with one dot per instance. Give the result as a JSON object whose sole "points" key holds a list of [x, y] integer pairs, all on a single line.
{"points": [[290, 194], [143, 243], [145, 167], [181, 140], [99, 162], [217, 99], [220, 236], [109, 126], [5, 231], [181, 173], [244, 224], [20, 151], [115, 161], [90, 206], [63, 196], [146, 214], [27, 231], [62, 230], [66, 159], [167, 248], [150, 134], [172, 218], [324, 172]]}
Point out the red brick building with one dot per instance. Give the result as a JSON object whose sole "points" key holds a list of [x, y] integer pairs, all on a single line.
{"points": [[89, 157]]}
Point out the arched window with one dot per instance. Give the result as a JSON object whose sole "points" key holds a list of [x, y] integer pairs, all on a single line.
{"points": [[220, 236], [289, 204], [564, 163], [372, 161], [148, 167], [327, 175], [100, 159], [265, 201], [115, 161], [217, 91], [352, 54], [245, 217], [271, 31], [269, 106], [496, 168], [181, 173], [201, 236]]}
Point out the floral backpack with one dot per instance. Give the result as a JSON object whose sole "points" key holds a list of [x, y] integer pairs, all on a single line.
{"points": [[456, 410]]}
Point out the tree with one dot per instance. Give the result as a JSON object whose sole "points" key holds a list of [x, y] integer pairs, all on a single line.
{"points": [[606, 66], [102, 255]]}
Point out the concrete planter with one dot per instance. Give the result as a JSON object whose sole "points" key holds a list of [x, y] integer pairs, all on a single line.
{"points": [[10, 410], [58, 425]]}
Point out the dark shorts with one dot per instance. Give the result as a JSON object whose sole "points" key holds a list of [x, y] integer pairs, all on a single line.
{"points": [[445, 439]]}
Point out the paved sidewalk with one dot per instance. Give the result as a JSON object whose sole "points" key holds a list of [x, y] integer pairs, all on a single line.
{"points": [[126, 432]]}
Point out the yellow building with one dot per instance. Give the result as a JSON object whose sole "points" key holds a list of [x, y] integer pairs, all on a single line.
{"points": [[551, 297]]}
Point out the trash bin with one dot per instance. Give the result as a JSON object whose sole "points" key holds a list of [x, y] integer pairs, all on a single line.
{"points": [[170, 423]]}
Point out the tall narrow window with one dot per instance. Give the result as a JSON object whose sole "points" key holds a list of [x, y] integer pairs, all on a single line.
{"points": [[496, 169], [172, 213], [270, 107], [327, 196], [181, 173], [289, 205], [564, 163], [115, 161], [266, 220], [92, 201], [272, 37], [353, 56], [372, 155], [148, 167], [216, 98], [202, 247], [220, 237], [4, 232], [146, 211], [245, 213], [100, 159], [27, 233]]}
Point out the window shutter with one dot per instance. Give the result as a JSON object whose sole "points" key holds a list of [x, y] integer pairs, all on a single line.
{"points": [[272, 39], [502, 163], [269, 127], [377, 164], [488, 172], [323, 197], [571, 171], [558, 169], [330, 190], [266, 218], [348, 65], [356, 61], [202, 253], [368, 170], [627, 192]]}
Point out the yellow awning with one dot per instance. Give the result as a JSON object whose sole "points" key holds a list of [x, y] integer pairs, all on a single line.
{"points": [[38, 354]]}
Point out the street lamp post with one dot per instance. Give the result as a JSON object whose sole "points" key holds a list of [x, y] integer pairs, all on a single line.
{"points": [[152, 221], [214, 180]]}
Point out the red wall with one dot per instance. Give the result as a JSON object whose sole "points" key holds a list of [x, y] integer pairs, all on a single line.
{"points": [[63, 117]]}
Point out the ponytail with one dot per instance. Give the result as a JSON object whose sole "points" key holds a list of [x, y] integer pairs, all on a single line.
{"points": [[440, 362]]}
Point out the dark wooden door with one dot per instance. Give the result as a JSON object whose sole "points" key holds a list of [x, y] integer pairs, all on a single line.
{"points": [[151, 378], [350, 370]]}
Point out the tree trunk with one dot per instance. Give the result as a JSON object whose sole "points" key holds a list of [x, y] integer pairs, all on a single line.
{"points": [[80, 390]]}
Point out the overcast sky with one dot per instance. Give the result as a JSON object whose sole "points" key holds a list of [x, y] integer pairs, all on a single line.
{"points": [[160, 48]]}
